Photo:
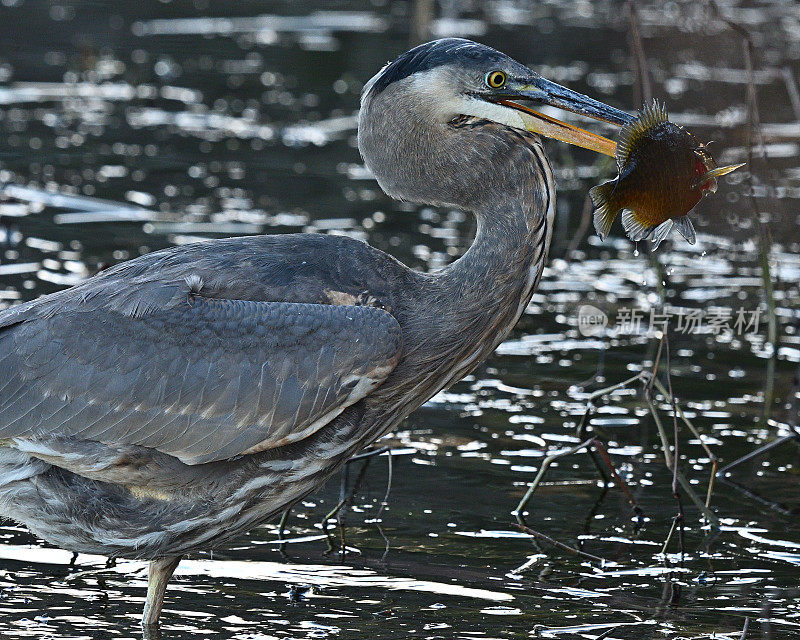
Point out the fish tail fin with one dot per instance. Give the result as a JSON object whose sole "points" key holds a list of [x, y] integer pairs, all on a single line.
{"points": [[686, 229], [604, 209]]}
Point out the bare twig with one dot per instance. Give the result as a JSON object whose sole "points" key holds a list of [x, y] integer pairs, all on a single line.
{"points": [[622, 484], [642, 87], [282, 528], [583, 226], [791, 89], [656, 362], [681, 516], [384, 503], [518, 512], [669, 539], [755, 454], [642, 375], [775, 506], [696, 434], [765, 238], [345, 496], [564, 547], [668, 459], [607, 633], [744, 629]]}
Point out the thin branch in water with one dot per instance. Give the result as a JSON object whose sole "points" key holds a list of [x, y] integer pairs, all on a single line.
{"points": [[684, 483], [581, 429], [656, 362], [753, 132], [681, 518], [669, 539], [642, 86], [758, 452], [696, 434], [744, 629], [519, 511], [622, 484], [564, 547], [282, 528], [642, 375], [791, 89], [710, 491], [384, 503], [385, 500], [579, 433], [583, 227], [607, 633], [347, 496]]}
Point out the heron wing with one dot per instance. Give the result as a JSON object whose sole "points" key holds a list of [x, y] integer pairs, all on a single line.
{"points": [[200, 379]]}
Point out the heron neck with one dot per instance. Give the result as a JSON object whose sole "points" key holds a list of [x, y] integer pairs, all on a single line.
{"points": [[502, 246], [507, 256]]}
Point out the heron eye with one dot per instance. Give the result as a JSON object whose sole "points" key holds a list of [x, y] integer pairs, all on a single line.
{"points": [[495, 79]]}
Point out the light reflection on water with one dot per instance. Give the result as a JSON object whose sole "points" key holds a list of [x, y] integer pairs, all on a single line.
{"points": [[126, 135]]}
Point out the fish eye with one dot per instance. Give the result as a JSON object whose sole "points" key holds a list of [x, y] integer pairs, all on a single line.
{"points": [[495, 79]]}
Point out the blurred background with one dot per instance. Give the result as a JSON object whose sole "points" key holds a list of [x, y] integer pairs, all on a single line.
{"points": [[127, 127]]}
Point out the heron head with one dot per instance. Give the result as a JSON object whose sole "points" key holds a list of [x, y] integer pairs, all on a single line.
{"points": [[412, 107]]}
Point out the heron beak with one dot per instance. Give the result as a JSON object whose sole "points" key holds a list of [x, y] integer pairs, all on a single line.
{"points": [[540, 90]]}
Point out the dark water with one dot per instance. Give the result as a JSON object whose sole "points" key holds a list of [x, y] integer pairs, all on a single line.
{"points": [[241, 120]]}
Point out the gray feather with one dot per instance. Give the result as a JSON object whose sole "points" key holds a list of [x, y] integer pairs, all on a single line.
{"points": [[202, 380]]}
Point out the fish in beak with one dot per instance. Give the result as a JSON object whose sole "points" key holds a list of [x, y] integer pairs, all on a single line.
{"points": [[664, 170], [523, 94]]}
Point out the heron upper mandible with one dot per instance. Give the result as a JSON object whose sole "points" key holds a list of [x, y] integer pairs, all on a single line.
{"points": [[177, 400]]}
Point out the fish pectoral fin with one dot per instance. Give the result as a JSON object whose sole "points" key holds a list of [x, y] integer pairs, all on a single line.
{"points": [[604, 210], [713, 174], [686, 229], [635, 229], [660, 232]]}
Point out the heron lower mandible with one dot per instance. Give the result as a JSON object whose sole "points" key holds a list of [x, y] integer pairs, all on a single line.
{"points": [[180, 399]]}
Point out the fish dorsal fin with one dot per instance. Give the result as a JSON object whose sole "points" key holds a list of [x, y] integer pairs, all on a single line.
{"points": [[632, 133]]}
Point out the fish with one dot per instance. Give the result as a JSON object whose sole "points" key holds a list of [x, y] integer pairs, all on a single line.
{"points": [[663, 172]]}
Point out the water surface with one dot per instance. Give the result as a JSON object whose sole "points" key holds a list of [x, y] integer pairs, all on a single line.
{"points": [[126, 128]]}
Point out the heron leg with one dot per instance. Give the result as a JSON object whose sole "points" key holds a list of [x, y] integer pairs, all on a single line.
{"points": [[161, 570], [344, 497]]}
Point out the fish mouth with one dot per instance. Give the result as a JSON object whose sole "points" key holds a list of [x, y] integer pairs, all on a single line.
{"points": [[537, 90]]}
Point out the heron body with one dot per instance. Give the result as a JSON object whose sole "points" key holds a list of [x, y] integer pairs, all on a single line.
{"points": [[178, 400]]}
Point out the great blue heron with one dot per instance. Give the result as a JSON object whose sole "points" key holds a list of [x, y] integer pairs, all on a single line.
{"points": [[178, 400]]}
